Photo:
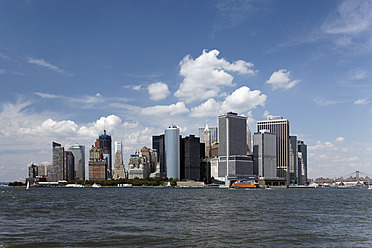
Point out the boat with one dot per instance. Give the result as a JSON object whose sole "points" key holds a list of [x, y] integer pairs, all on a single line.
{"points": [[245, 184], [28, 185], [370, 187], [74, 185], [96, 186]]}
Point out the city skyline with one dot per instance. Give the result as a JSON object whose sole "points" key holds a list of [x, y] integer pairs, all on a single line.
{"points": [[71, 71]]}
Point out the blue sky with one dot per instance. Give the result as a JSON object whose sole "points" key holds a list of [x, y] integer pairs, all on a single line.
{"points": [[69, 69]]}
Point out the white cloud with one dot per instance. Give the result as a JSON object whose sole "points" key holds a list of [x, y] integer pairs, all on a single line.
{"points": [[136, 87], [161, 110], [158, 91], [280, 79], [204, 75], [2, 71], [51, 127], [46, 95], [109, 123], [208, 108], [43, 63], [340, 139], [351, 17], [361, 101], [241, 100]]}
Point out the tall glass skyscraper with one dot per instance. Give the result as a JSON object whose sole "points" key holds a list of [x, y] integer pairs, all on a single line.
{"points": [[79, 154], [280, 127], [172, 152], [105, 145]]}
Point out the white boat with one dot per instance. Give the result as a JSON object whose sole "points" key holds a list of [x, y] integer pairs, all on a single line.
{"points": [[74, 185], [97, 186], [28, 185], [370, 187]]}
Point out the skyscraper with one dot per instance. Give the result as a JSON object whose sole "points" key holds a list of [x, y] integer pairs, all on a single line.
{"points": [[293, 159], [280, 127], [190, 164], [264, 154], [97, 165], [213, 133], [79, 156], [158, 144], [119, 170], [172, 151], [69, 173], [249, 141], [105, 145], [53, 176], [232, 151], [302, 163]]}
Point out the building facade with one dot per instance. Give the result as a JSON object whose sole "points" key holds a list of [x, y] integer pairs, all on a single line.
{"points": [[158, 144], [97, 165], [280, 127], [302, 163], [293, 159], [264, 154], [79, 154], [105, 145], [191, 158], [232, 150], [172, 152]]}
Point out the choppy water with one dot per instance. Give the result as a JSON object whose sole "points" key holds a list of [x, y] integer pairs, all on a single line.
{"points": [[149, 217]]}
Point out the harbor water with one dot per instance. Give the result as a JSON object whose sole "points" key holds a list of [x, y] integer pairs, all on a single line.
{"points": [[174, 217]]}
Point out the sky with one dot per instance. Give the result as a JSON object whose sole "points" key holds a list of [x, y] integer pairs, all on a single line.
{"points": [[70, 69]]}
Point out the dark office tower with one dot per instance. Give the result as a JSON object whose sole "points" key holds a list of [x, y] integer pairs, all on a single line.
{"points": [[191, 157], [280, 127], [302, 163], [53, 176], [61, 164], [158, 144], [232, 151], [69, 166], [105, 145], [293, 159]]}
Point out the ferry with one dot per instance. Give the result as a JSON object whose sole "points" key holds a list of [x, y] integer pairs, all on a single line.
{"points": [[245, 184]]}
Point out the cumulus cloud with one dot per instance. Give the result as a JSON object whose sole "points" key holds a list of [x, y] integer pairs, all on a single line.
{"points": [[340, 139], [205, 75], [361, 101], [43, 63], [160, 110], [352, 16], [51, 127], [281, 79], [241, 100], [109, 123], [158, 91]]}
